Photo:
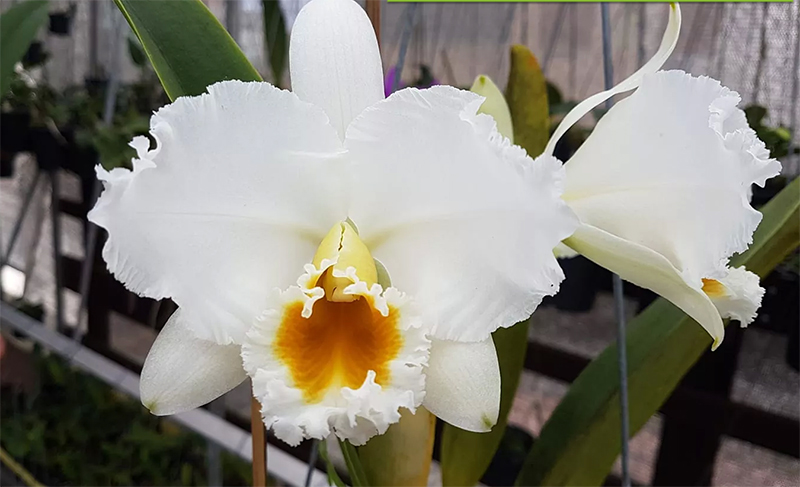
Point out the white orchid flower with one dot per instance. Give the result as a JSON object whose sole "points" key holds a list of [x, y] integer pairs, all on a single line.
{"points": [[274, 219], [662, 189]]}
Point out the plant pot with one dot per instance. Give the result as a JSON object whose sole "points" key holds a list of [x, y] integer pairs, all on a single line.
{"points": [[579, 289], [95, 86], [60, 23], [15, 131], [50, 152], [35, 55]]}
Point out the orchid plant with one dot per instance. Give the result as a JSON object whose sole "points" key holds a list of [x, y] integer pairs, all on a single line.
{"points": [[352, 253]]}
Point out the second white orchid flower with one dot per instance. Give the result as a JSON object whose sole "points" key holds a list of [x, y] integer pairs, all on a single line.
{"points": [[662, 189], [350, 254]]}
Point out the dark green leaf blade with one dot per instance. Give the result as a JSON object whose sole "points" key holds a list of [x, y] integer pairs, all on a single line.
{"points": [[276, 41], [18, 27], [186, 44], [357, 476], [580, 441]]}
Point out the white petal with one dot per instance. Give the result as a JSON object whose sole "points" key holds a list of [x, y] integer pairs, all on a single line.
{"points": [[352, 413], [650, 270], [334, 60], [182, 372], [668, 43], [462, 220], [740, 295], [670, 168], [241, 188], [463, 384]]}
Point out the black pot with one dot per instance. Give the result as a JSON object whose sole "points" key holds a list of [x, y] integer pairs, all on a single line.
{"points": [[15, 131], [60, 23], [35, 54], [50, 152], [509, 458], [579, 289], [95, 86]]}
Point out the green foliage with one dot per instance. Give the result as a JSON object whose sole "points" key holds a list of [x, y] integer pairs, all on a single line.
{"points": [[777, 139], [357, 476], [276, 42], [78, 431], [580, 441], [189, 58], [18, 27], [333, 475]]}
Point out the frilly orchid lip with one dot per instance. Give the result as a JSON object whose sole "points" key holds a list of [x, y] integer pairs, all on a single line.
{"points": [[662, 189], [240, 194]]}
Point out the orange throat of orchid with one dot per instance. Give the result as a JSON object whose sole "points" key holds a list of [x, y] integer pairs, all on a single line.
{"points": [[346, 335]]}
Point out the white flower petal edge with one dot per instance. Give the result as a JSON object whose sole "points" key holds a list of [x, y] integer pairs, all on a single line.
{"points": [[464, 221], [669, 169], [334, 60], [353, 414], [182, 372], [648, 269], [737, 296], [668, 43], [219, 211], [463, 384]]}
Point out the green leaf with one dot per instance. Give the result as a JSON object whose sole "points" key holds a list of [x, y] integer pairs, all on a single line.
{"points": [[276, 43], [18, 27], [402, 456], [333, 475], [526, 94], [580, 442], [466, 455], [186, 44], [357, 476]]}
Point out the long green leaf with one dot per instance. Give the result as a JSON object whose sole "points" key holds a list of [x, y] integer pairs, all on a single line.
{"points": [[18, 27], [276, 43], [580, 442], [186, 44], [466, 455], [357, 476]]}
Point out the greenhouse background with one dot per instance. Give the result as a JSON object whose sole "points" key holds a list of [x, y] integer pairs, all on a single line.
{"points": [[734, 420]]}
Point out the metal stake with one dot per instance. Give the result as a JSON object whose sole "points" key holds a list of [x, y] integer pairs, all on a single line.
{"points": [[619, 297], [312, 461]]}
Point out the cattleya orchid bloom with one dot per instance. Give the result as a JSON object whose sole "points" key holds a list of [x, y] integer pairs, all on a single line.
{"points": [[662, 189], [350, 254]]}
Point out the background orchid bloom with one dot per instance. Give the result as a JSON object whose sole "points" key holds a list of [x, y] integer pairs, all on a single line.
{"points": [[350, 253], [662, 189]]}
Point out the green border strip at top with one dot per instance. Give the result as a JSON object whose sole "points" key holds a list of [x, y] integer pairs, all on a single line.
{"points": [[586, 1]]}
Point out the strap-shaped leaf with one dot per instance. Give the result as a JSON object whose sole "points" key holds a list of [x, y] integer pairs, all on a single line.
{"points": [[581, 440], [465, 455], [186, 44], [18, 27]]}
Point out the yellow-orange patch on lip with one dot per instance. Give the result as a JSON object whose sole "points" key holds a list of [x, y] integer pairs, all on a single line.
{"points": [[713, 288], [337, 345]]}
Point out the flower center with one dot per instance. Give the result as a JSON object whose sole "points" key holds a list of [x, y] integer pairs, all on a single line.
{"points": [[346, 335]]}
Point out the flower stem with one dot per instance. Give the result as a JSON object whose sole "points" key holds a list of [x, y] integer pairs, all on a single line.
{"points": [[259, 445]]}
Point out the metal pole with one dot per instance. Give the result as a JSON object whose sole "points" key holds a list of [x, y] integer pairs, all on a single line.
{"points": [[619, 297], [20, 219], [312, 461], [795, 88], [56, 228]]}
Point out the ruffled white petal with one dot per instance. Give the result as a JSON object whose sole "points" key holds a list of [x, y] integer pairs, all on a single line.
{"points": [[242, 185], [182, 372], [668, 43], [334, 60], [352, 414], [463, 384], [648, 269], [462, 220], [670, 168], [740, 295]]}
